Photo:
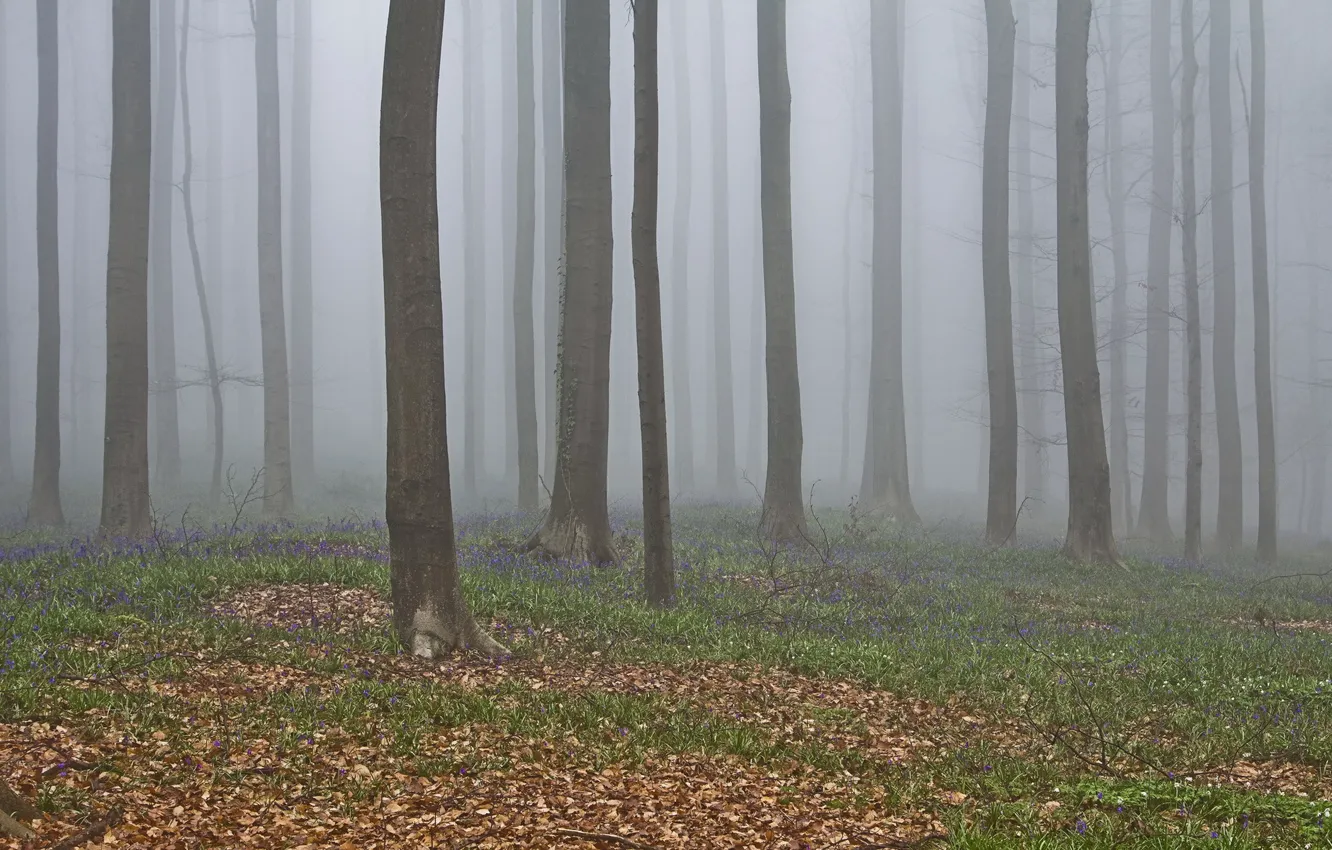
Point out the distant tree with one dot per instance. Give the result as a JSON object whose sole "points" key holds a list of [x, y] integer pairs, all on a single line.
{"points": [[474, 248], [885, 484], [783, 507], [658, 560], [509, 225], [44, 507], [6, 349], [758, 381], [166, 414], [279, 499], [1001, 515], [1033, 405], [125, 499], [681, 209], [552, 224], [524, 330], [1192, 309], [1230, 457], [723, 384], [217, 252], [429, 612], [1090, 532], [1154, 507], [302, 258], [1262, 311], [577, 526]]}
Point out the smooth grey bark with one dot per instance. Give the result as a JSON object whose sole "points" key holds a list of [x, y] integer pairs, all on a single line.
{"points": [[1230, 456], [1315, 461], [429, 612], [6, 348], [783, 508], [302, 252], [1154, 505], [44, 507], [681, 207], [885, 484], [509, 225], [1120, 481], [757, 374], [524, 373], [279, 499], [216, 256], [1192, 308], [1262, 312], [125, 488], [216, 408], [849, 261], [1032, 398], [1002, 504], [1090, 530], [658, 559], [166, 395], [474, 248], [723, 368], [552, 225], [577, 526]]}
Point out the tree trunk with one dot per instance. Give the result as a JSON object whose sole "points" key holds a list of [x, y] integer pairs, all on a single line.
{"points": [[723, 380], [1120, 482], [1317, 463], [885, 484], [1090, 532], [429, 612], [850, 259], [658, 560], [474, 248], [1262, 319], [279, 499], [1230, 457], [525, 265], [1033, 400], [578, 525], [681, 344], [1192, 309], [125, 500], [1001, 515], [6, 348], [783, 509], [758, 381], [1154, 510], [13, 807], [44, 507], [552, 152], [509, 226], [216, 408], [166, 415], [215, 233], [302, 274]]}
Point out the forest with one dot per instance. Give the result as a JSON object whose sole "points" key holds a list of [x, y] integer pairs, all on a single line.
{"points": [[591, 424]]}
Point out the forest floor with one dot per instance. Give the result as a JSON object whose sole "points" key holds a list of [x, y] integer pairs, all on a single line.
{"points": [[878, 688]]}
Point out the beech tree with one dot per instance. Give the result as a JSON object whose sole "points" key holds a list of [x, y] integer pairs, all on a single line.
{"points": [[552, 216], [6, 369], [1262, 311], [302, 259], [681, 209], [723, 379], [524, 329], [474, 250], [429, 612], [1192, 308], [1033, 404], [166, 413]]}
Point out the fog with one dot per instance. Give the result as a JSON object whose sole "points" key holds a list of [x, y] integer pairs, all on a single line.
{"points": [[831, 168]]}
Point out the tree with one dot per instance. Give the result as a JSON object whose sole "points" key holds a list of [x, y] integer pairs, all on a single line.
{"points": [[508, 33], [552, 224], [1090, 533], [886, 481], [1154, 507], [1114, 189], [302, 280], [1033, 406], [681, 207], [723, 380], [783, 510], [1192, 309], [1230, 458], [658, 561], [44, 507], [429, 612], [525, 265], [6, 370], [166, 414], [1001, 515], [474, 250], [1262, 312], [125, 500], [279, 499], [577, 526]]}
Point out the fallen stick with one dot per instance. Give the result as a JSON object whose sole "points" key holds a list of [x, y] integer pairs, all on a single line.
{"points": [[604, 836], [92, 831]]}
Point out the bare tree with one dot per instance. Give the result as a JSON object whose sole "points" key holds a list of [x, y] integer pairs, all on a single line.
{"points": [[509, 225], [429, 612], [1120, 484], [474, 249], [552, 225], [166, 415], [524, 375], [1033, 405], [1090, 531], [278, 496], [1154, 507], [1192, 309], [783, 506], [758, 381], [44, 507], [125, 498], [681, 207], [1230, 457], [1001, 515], [302, 276], [658, 560], [577, 525], [723, 380], [6, 369]]}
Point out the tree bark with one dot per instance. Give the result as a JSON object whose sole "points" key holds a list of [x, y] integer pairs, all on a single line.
{"points": [[1001, 515], [552, 226], [885, 484], [44, 508], [1120, 481], [1154, 507], [1090, 531], [1230, 457], [783, 509], [6, 348], [681, 207], [125, 498], [1262, 314], [215, 233], [166, 414], [1192, 308], [279, 499], [658, 560], [509, 226], [429, 612], [302, 259], [578, 524], [1033, 402], [474, 249], [1316, 461], [524, 331], [758, 381], [723, 379]]}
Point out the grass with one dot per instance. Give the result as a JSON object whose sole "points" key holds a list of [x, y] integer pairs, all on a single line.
{"points": [[896, 682]]}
